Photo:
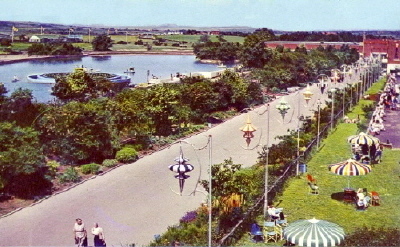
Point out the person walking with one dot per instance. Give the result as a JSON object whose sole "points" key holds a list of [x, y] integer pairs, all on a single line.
{"points": [[99, 238], [80, 234]]}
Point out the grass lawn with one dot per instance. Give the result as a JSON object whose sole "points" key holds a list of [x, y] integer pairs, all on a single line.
{"points": [[384, 178]]}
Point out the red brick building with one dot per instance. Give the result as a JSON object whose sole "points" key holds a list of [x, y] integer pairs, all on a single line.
{"points": [[387, 49], [309, 45]]}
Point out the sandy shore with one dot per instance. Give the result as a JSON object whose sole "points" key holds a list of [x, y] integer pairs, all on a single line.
{"points": [[6, 59]]}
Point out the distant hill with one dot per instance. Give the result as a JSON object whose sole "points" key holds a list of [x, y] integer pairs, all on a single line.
{"points": [[37, 27]]}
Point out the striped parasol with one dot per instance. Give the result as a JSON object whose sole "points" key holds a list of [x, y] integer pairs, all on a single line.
{"points": [[314, 233], [362, 139], [350, 167]]}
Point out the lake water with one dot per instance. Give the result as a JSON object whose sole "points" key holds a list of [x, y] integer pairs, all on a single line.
{"points": [[161, 66]]}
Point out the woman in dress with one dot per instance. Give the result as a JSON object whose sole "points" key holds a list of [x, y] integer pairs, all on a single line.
{"points": [[98, 233]]}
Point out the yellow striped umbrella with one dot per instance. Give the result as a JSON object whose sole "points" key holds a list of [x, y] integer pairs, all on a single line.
{"points": [[362, 139], [350, 167]]}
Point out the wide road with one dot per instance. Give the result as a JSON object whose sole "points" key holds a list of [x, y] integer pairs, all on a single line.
{"points": [[138, 200]]}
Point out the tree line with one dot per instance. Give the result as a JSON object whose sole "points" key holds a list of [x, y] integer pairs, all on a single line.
{"points": [[89, 118]]}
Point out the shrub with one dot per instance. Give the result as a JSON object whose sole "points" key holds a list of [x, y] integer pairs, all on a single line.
{"points": [[52, 167], [189, 217], [91, 168], [126, 155], [70, 175], [110, 162], [373, 237]]}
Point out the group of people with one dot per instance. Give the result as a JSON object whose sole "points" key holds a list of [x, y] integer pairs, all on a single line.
{"points": [[362, 199], [80, 234], [367, 154], [388, 100]]}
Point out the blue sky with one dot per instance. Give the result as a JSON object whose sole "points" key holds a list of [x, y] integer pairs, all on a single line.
{"points": [[287, 15]]}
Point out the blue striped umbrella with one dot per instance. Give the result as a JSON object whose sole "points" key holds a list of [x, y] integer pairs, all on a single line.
{"points": [[313, 233], [349, 168], [362, 139]]}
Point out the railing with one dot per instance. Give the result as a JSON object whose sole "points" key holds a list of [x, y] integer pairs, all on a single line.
{"points": [[277, 187]]}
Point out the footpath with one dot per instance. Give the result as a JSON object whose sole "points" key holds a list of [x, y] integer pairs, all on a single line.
{"points": [[392, 126]]}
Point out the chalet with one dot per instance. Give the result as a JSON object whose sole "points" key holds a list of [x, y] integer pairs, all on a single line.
{"points": [[73, 38], [45, 38]]}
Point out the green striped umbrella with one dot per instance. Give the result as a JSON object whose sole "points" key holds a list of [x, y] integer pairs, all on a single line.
{"points": [[313, 233]]}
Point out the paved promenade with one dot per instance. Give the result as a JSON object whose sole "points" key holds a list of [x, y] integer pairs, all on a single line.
{"points": [[136, 201], [392, 126]]}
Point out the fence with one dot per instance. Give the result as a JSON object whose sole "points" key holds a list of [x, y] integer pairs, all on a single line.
{"points": [[278, 185]]}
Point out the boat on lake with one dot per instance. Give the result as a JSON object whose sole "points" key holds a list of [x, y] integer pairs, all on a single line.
{"points": [[15, 79], [130, 70], [50, 78], [221, 65]]}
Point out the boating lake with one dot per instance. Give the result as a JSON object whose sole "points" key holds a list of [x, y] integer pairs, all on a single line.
{"points": [[161, 66]]}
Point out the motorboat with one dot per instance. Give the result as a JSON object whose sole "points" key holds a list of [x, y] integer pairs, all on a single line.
{"points": [[221, 65], [130, 70]]}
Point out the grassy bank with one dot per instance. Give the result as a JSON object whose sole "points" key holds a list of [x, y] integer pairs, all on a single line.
{"points": [[384, 178]]}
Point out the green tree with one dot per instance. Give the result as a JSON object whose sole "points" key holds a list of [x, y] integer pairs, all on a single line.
{"points": [[21, 108], [162, 103], [22, 163], [256, 56], [204, 38], [102, 43], [259, 36], [81, 86], [80, 132]]}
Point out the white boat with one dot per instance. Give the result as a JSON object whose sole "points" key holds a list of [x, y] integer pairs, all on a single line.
{"points": [[15, 79], [130, 70], [221, 65]]}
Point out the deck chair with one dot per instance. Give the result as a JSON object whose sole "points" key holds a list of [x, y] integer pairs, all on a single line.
{"points": [[255, 233], [269, 232], [375, 198], [311, 179], [313, 188], [279, 232]]}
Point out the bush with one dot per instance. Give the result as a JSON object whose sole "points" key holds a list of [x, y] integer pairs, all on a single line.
{"points": [[52, 167], [91, 168], [70, 175], [126, 155], [110, 162], [373, 237]]}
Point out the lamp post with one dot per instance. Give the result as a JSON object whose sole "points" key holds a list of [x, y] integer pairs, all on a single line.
{"points": [[350, 85], [318, 120], [283, 107], [332, 90], [322, 78], [335, 75], [209, 190], [266, 178], [182, 167], [248, 130], [343, 98]]}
